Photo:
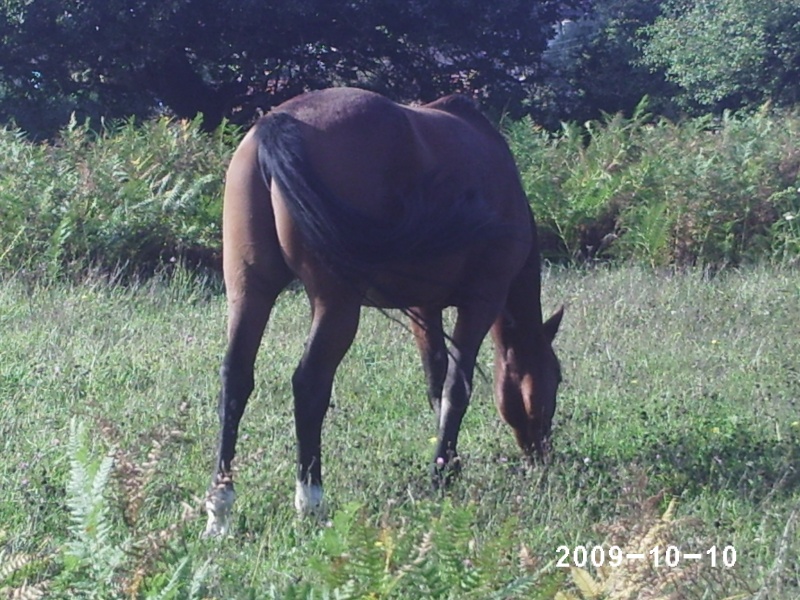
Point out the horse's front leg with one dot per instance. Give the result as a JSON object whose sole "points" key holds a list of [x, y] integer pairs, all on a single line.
{"points": [[333, 328], [472, 325]]}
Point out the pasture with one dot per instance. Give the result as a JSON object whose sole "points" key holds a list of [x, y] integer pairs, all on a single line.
{"points": [[678, 386]]}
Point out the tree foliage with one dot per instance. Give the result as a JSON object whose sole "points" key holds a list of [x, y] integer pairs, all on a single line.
{"points": [[232, 58], [593, 65], [726, 54]]}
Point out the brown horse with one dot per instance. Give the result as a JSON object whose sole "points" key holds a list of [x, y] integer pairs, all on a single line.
{"points": [[368, 202]]}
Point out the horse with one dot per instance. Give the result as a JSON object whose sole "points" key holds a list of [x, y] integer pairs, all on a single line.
{"points": [[372, 203]]}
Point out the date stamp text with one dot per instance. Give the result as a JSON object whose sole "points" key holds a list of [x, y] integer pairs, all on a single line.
{"points": [[658, 556]]}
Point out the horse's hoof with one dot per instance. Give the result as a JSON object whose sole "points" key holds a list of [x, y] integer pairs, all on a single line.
{"points": [[219, 506], [308, 500], [540, 452], [444, 472]]}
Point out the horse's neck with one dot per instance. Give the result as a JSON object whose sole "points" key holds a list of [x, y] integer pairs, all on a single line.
{"points": [[520, 337]]}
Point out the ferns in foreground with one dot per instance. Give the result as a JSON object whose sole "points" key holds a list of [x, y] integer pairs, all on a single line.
{"points": [[16, 568], [442, 560], [110, 553], [92, 548], [446, 561], [640, 528]]}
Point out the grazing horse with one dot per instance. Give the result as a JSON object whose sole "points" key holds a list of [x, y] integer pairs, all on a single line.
{"points": [[371, 203]]}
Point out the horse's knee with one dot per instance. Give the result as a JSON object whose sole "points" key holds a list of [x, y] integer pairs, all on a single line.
{"points": [[236, 378], [311, 393], [436, 371], [302, 384], [458, 387], [237, 383]]}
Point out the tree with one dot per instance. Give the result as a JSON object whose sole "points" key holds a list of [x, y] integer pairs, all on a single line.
{"points": [[727, 54], [232, 58], [593, 65]]}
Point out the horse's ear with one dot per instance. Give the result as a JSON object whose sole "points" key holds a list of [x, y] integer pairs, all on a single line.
{"points": [[551, 325]]}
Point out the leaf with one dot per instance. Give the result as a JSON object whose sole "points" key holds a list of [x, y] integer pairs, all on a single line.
{"points": [[586, 584], [669, 514]]}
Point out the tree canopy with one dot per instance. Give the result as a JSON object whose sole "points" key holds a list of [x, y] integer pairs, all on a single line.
{"points": [[553, 59], [593, 65], [231, 58], [728, 54]]}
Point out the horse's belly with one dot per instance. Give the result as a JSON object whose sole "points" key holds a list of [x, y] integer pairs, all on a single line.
{"points": [[447, 281]]}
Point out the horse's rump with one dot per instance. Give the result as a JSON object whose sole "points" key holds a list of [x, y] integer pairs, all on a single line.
{"points": [[426, 169]]}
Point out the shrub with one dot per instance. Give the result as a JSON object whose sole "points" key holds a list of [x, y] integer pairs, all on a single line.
{"points": [[136, 197], [129, 198], [702, 191]]}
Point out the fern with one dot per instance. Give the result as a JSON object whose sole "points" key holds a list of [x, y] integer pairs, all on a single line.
{"points": [[91, 548], [185, 583], [641, 527], [107, 556], [444, 560], [13, 568]]}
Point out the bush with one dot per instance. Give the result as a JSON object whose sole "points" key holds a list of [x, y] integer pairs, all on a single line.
{"points": [[129, 198], [138, 196], [704, 191]]}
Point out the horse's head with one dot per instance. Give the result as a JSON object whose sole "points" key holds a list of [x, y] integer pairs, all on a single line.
{"points": [[527, 379]]}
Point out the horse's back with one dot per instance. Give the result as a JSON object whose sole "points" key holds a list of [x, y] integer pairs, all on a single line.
{"points": [[394, 149], [442, 162], [470, 153]]}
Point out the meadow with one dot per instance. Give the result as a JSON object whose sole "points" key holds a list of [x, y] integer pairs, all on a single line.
{"points": [[677, 430], [678, 424]]}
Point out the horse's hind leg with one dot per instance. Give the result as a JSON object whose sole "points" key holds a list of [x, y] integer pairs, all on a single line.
{"points": [[333, 328], [247, 318], [426, 324]]}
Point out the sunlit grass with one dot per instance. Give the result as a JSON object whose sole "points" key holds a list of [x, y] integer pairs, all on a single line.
{"points": [[678, 383]]}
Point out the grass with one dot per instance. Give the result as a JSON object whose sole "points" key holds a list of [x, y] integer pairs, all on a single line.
{"points": [[677, 387]]}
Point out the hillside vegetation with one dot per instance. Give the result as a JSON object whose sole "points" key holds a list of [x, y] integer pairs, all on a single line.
{"points": [[710, 192]]}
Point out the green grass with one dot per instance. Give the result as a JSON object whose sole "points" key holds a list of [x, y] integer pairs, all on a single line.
{"points": [[673, 382]]}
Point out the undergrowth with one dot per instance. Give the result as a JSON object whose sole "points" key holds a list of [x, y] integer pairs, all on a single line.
{"points": [[135, 197], [132, 197], [111, 553], [703, 191]]}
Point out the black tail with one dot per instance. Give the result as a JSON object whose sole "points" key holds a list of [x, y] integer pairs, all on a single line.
{"points": [[354, 244]]}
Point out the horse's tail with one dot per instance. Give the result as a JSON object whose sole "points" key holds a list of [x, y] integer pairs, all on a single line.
{"points": [[352, 243]]}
